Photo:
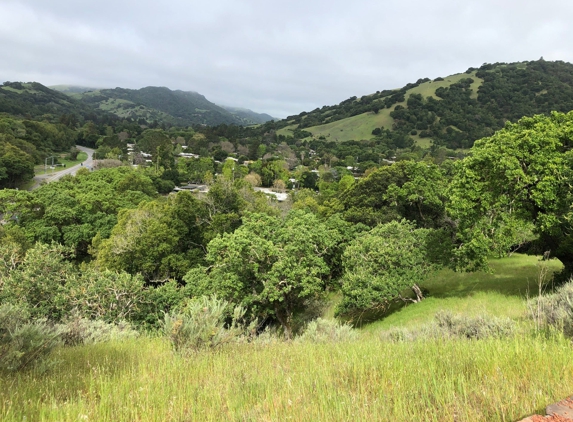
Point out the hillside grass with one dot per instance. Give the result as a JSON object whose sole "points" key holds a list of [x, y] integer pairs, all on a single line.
{"points": [[353, 128], [113, 104], [27, 89], [287, 130], [502, 292], [143, 380], [367, 379], [428, 89]]}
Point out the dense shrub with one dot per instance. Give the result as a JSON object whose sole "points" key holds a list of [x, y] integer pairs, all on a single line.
{"points": [[24, 343], [157, 301], [107, 163], [45, 281], [327, 331], [202, 324], [554, 310]]}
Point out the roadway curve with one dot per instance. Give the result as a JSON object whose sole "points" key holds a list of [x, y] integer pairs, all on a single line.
{"points": [[47, 178]]}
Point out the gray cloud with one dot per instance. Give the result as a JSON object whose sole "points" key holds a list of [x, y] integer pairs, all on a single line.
{"points": [[279, 57]]}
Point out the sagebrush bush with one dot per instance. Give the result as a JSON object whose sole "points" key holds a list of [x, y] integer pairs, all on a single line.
{"points": [[107, 295], [448, 325], [205, 323], [39, 282], [24, 343], [478, 327], [77, 330], [326, 331], [554, 310]]}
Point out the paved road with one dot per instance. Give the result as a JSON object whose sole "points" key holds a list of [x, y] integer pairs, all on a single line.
{"points": [[38, 179]]}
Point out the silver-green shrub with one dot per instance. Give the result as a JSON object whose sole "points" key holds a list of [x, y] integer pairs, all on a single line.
{"points": [[554, 310], [448, 325], [24, 343], [327, 331], [77, 330], [478, 327], [205, 323]]}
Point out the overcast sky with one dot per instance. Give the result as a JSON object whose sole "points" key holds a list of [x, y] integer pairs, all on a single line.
{"points": [[279, 57]]}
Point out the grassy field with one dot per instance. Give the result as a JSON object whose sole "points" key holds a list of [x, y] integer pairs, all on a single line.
{"points": [[27, 88], [502, 292], [366, 379], [428, 89], [353, 128], [360, 127], [41, 169], [142, 380]]}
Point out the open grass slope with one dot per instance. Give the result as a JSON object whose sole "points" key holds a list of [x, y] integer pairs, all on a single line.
{"points": [[502, 292], [142, 380], [361, 126], [368, 379]]}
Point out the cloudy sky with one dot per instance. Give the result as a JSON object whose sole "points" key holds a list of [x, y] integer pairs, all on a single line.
{"points": [[274, 56]]}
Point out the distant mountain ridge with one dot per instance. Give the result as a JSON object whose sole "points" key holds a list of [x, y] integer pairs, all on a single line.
{"points": [[72, 89], [181, 108], [249, 114]]}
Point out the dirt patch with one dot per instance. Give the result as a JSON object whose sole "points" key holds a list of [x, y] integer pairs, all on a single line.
{"points": [[552, 418], [557, 412]]}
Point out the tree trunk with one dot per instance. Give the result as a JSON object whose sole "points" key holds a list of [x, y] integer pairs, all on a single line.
{"points": [[285, 320], [418, 293]]}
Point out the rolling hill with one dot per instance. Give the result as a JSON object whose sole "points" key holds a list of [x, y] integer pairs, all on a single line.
{"points": [[34, 100], [452, 111]]}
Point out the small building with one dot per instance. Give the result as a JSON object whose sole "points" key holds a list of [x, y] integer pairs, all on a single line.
{"points": [[188, 155]]}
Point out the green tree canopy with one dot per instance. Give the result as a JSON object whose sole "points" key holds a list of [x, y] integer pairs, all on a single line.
{"points": [[16, 166], [412, 190], [73, 210], [159, 239], [382, 264], [518, 179], [269, 265]]}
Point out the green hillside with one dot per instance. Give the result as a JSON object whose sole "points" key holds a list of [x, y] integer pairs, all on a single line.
{"points": [[453, 111], [179, 108], [34, 100]]}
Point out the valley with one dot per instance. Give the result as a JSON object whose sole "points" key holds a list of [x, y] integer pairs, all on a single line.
{"points": [[402, 255]]}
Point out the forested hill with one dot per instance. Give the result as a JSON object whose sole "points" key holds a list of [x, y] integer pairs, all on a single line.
{"points": [[179, 108], [35, 101], [453, 111]]}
